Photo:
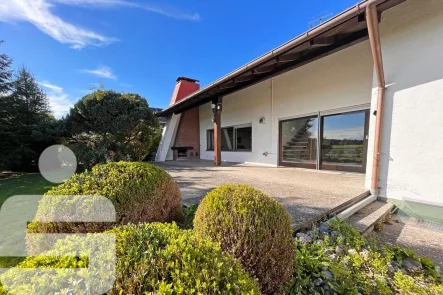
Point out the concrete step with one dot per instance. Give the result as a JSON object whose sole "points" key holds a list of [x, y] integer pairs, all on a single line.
{"points": [[332, 213], [365, 219]]}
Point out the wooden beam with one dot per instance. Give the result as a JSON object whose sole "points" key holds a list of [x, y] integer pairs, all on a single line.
{"points": [[228, 85], [264, 69], [244, 78], [217, 109], [322, 41], [289, 57]]}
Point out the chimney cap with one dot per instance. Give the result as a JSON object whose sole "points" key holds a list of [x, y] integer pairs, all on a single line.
{"points": [[187, 79]]}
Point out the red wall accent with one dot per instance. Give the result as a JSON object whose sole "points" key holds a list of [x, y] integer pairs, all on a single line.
{"points": [[188, 131]]}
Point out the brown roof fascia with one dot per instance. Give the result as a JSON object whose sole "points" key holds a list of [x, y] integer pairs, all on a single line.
{"points": [[307, 36]]}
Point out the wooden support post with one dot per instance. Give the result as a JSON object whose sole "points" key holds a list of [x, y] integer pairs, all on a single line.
{"points": [[217, 109]]}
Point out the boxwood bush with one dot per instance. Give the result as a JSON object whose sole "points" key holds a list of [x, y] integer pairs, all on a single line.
{"points": [[253, 228], [151, 259], [140, 192]]}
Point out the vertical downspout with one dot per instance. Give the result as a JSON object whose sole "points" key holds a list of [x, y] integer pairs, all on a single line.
{"points": [[374, 38]]}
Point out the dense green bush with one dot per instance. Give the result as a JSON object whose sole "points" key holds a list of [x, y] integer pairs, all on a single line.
{"points": [[253, 228], [140, 192], [151, 259]]}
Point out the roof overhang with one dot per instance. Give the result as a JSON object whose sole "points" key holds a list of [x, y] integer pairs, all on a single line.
{"points": [[346, 29]]}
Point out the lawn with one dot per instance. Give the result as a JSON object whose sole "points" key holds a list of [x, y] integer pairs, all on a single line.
{"points": [[28, 184]]}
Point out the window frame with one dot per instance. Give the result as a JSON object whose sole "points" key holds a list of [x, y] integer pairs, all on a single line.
{"points": [[235, 127]]}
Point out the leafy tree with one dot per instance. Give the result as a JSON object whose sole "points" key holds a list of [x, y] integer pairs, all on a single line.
{"points": [[111, 126]]}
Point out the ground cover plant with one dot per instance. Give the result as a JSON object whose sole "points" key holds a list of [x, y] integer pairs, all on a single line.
{"points": [[338, 260]]}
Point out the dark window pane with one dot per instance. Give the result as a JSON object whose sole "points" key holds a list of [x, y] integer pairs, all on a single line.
{"points": [[343, 139], [299, 140], [210, 140], [244, 138], [227, 143]]}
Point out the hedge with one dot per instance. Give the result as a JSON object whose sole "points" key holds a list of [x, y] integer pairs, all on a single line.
{"points": [[253, 228], [140, 192], [151, 259]]}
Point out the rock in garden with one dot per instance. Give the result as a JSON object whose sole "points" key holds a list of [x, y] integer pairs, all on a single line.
{"points": [[323, 229], [391, 268], [340, 250], [333, 257], [352, 252], [412, 265], [327, 275], [366, 254], [318, 282], [303, 238]]}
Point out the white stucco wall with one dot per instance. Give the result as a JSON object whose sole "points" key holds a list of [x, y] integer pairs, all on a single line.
{"points": [[412, 141], [340, 80]]}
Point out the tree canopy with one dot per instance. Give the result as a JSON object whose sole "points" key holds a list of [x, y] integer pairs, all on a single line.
{"points": [[109, 126]]}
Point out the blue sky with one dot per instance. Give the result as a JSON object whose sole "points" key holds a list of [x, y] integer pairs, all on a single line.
{"points": [[143, 46]]}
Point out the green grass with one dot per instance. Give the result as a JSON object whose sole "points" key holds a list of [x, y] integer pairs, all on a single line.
{"points": [[28, 184]]}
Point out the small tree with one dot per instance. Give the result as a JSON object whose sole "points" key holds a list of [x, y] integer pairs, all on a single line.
{"points": [[111, 126]]}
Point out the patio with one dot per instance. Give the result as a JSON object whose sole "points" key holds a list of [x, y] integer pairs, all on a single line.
{"points": [[307, 195]]}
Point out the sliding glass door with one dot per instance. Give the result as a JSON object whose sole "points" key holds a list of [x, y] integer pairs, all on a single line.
{"points": [[343, 141], [340, 138], [298, 142]]}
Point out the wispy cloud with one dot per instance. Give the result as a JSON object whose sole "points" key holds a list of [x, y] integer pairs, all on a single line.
{"points": [[50, 86], [102, 72], [59, 101], [165, 9], [38, 13]]}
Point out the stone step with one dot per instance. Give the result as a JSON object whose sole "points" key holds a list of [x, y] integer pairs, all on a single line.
{"points": [[365, 219]]}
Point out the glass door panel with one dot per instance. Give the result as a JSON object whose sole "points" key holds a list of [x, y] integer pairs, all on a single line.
{"points": [[298, 142], [343, 141]]}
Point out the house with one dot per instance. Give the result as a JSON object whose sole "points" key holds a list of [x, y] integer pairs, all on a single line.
{"points": [[362, 92]]}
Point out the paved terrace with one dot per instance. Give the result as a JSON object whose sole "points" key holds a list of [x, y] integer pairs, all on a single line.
{"points": [[306, 194]]}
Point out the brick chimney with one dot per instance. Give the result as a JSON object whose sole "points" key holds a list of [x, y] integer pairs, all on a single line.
{"points": [[187, 139], [184, 87]]}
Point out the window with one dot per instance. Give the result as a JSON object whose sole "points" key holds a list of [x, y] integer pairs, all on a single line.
{"points": [[210, 140], [243, 137], [236, 138]]}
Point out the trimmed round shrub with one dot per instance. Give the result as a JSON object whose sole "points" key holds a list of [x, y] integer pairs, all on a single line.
{"points": [[140, 192], [152, 258], [253, 228]]}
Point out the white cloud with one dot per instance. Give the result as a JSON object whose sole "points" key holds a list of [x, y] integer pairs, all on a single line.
{"points": [[38, 13], [102, 72], [59, 101], [50, 86], [165, 10]]}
